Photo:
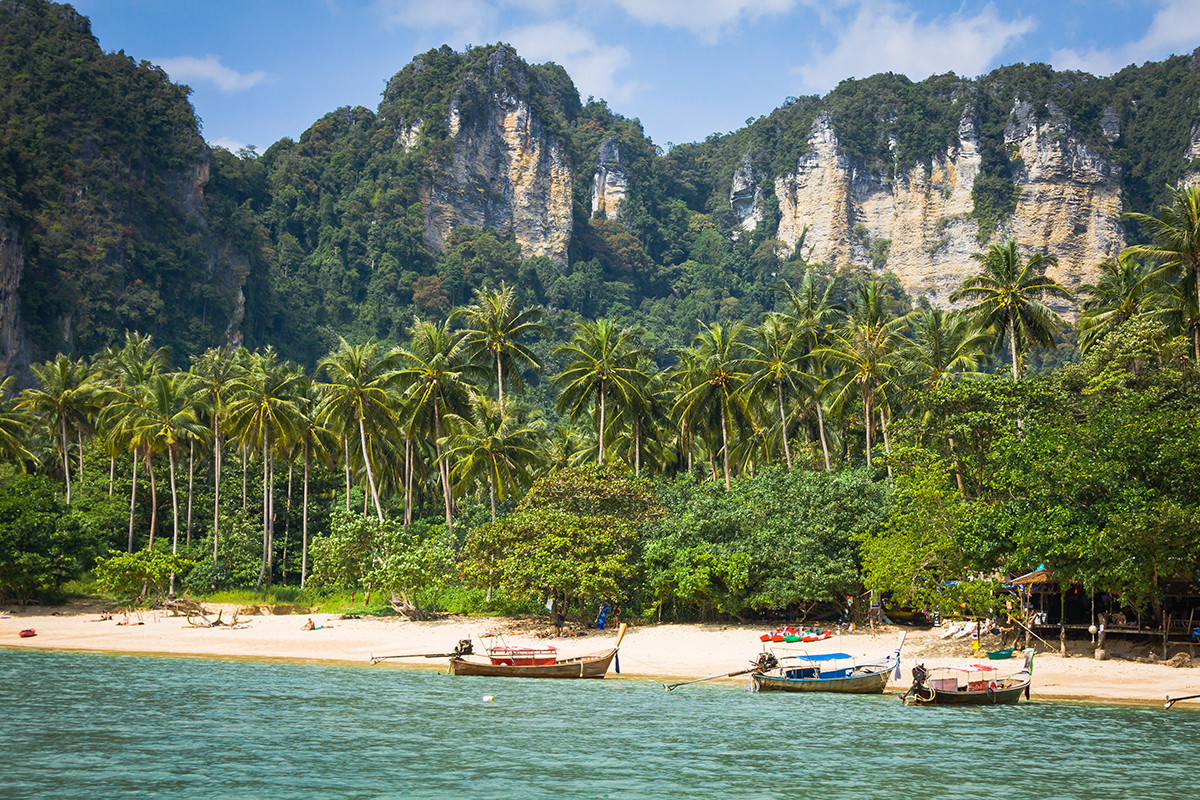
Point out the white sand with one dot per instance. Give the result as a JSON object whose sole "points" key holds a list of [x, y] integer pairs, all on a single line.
{"points": [[668, 652]]}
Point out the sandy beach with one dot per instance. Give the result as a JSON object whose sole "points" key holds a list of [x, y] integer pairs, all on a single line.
{"points": [[667, 652]]}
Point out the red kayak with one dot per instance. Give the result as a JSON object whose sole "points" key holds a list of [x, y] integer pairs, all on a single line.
{"points": [[25, 634]]}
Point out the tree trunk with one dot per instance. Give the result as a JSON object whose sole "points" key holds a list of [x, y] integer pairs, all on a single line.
{"points": [[66, 454], [787, 450], [112, 473], [133, 499], [266, 528], [217, 453], [408, 476], [362, 435], [153, 500], [245, 464], [887, 447], [271, 520], [346, 450], [174, 516], [821, 429], [304, 515], [957, 469], [867, 422], [1012, 343], [191, 485], [492, 495], [725, 444], [499, 383], [445, 476], [603, 405]]}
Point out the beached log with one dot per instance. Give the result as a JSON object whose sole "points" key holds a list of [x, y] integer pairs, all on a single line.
{"points": [[205, 622]]}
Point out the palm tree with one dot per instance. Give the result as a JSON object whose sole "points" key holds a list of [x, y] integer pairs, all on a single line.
{"points": [[15, 424], [1176, 247], [489, 442], [435, 367], [942, 344], [717, 374], [168, 417], [63, 402], [813, 311], [218, 376], [1123, 291], [494, 327], [774, 367], [359, 394], [865, 349], [1006, 297], [317, 440], [266, 417], [604, 365]]}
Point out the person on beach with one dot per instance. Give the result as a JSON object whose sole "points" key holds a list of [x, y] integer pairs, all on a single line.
{"points": [[558, 622], [309, 626]]}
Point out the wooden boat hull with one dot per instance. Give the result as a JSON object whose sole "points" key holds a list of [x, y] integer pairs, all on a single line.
{"points": [[589, 666], [1000, 696], [867, 683]]}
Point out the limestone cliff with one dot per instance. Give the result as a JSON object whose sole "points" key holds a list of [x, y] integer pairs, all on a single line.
{"points": [[503, 168], [610, 182], [920, 224], [14, 352]]}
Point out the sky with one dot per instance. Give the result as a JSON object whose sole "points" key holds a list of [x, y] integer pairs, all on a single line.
{"points": [[262, 70]]}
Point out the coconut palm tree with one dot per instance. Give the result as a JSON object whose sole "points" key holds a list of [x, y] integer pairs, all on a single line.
{"points": [[167, 418], [604, 365], [266, 417], [217, 376], [501, 446], [864, 352], [494, 329], [813, 312], [941, 344], [773, 365], [1176, 242], [360, 395], [1007, 297], [63, 402], [15, 425], [715, 379], [1126, 287], [435, 368]]}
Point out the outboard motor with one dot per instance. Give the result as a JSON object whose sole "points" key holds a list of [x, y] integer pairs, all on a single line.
{"points": [[765, 662], [464, 648]]}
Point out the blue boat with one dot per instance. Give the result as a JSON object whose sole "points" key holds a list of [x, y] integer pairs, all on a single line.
{"points": [[828, 672]]}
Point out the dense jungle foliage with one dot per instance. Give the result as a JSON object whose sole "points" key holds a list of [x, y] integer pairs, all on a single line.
{"points": [[686, 418]]}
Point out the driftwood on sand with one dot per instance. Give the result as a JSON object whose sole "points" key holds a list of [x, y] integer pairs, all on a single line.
{"points": [[199, 619]]}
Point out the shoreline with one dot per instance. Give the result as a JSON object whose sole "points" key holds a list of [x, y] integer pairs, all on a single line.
{"points": [[666, 652]]}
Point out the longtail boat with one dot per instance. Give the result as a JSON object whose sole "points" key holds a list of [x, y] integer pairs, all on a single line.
{"points": [[535, 662], [972, 685], [828, 672]]}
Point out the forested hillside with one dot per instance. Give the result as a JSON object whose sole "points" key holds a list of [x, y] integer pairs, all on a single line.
{"points": [[118, 218]]}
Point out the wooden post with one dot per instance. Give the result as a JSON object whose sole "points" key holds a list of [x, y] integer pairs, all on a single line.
{"points": [[1190, 639], [1166, 626], [1100, 654], [1062, 639]]}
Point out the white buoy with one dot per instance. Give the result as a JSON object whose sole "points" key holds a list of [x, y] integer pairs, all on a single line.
{"points": [[488, 698]]}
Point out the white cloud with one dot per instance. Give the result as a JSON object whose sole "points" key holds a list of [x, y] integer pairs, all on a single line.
{"points": [[1175, 28], [232, 145], [885, 36], [706, 18], [189, 69], [593, 67]]}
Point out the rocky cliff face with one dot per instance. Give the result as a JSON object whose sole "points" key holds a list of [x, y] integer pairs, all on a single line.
{"points": [[504, 170], [920, 226], [609, 183], [14, 352]]}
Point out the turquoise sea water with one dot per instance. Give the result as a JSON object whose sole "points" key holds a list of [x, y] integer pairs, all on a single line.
{"points": [[101, 726]]}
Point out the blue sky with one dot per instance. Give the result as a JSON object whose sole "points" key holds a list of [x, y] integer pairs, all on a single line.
{"points": [[261, 70]]}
